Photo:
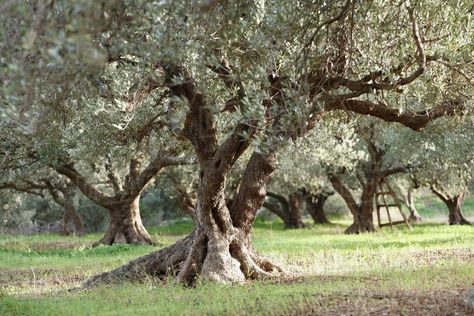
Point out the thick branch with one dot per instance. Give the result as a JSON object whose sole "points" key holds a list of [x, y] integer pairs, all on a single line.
{"points": [[281, 199], [391, 171], [440, 193], [274, 209], [88, 190], [414, 120], [54, 193], [112, 176]]}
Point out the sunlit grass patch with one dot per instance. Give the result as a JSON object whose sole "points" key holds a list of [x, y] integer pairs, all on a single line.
{"points": [[326, 268]]}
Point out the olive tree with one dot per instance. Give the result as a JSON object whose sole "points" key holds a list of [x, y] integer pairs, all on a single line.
{"points": [[445, 164], [243, 77], [367, 175], [302, 171]]}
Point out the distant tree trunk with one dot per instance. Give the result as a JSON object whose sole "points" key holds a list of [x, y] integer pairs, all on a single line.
{"points": [[63, 194], [184, 201], [125, 221], [126, 224], [409, 202], [315, 206], [362, 213], [295, 218], [72, 216], [454, 204], [289, 210]]}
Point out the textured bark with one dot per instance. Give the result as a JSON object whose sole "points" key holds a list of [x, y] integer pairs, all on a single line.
{"points": [[219, 249], [315, 206]]}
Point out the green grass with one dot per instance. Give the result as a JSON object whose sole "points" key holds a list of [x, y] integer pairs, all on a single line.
{"points": [[328, 270]]}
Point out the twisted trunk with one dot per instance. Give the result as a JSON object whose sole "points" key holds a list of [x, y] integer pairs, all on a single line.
{"points": [[125, 221], [315, 207], [219, 248], [125, 224]]}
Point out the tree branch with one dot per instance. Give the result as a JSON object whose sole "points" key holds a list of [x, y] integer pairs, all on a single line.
{"points": [[158, 163], [281, 199], [199, 126], [274, 209], [440, 193], [344, 192], [112, 176], [391, 171], [252, 189], [414, 120], [28, 188], [88, 190]]}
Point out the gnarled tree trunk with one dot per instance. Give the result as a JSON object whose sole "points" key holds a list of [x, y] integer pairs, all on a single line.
{"points": [[125, 221], [126, 224], [315, 206], [219, 248]]}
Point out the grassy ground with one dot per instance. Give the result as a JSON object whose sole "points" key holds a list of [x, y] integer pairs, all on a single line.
{"points": [[425, 271]]}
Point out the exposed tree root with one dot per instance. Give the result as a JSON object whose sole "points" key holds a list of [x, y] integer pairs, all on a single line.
{"points": [[160, 264], [191, 257]]}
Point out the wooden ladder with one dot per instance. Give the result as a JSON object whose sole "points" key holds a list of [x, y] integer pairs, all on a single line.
{"points": [[384, 189]]}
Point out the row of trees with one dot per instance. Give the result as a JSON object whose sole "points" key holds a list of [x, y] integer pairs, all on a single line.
{"points": [[111, 95]]}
